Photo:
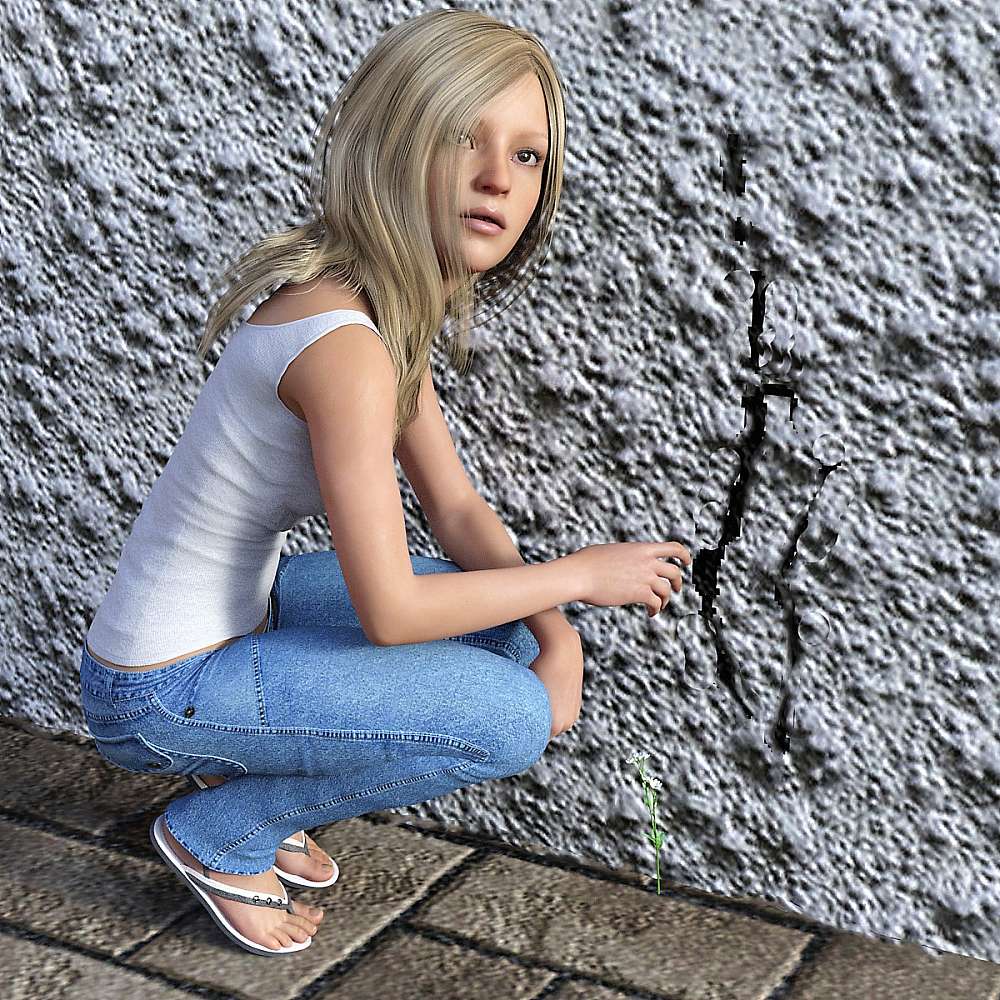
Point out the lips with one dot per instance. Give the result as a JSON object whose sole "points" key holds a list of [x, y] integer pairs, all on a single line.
{"points": [[483, 212], [482, 226]]}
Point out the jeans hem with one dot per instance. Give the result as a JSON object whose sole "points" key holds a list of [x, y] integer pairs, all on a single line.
{"points": [[211, 867]]}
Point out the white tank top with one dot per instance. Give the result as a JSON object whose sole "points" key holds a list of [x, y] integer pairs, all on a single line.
{"points": [[199, 562]]}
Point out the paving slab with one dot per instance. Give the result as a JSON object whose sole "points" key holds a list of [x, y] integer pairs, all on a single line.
{"points": [[853, 967], [33, 971], [383, 872], [635, 939], [421, 910], [405, 966]]}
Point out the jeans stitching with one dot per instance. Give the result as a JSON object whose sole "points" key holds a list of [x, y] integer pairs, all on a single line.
{"points": [[258, 680], [200, 672], [203, 759], [166, 820], [233, 845], [163, 759], [485, 640], [118, 717], [360, 735]]}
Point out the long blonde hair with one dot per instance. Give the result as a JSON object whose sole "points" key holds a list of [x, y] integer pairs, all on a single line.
{"points": [[400, 113]]}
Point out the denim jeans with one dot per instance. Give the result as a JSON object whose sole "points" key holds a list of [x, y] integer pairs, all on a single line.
{"points": [[311, 723]]}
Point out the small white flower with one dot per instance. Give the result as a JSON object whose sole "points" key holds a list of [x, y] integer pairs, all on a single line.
{"points": [[655, 783]]}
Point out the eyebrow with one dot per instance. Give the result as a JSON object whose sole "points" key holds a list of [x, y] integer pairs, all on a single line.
{"points": [[527, 133]]}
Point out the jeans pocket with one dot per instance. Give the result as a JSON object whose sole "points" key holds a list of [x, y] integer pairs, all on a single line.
{"points": [[140, 755], [98, 711], [133, 753]]}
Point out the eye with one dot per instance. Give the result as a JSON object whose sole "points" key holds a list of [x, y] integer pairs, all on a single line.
{"points": [[539, 158]]}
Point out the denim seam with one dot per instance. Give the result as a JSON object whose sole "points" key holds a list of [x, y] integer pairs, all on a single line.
{"points": [[187, 847], [258, 680], [161, 756], [435, 739], [485, 640], [199, 673], [233, 845], [171, 754], [118, 717]]}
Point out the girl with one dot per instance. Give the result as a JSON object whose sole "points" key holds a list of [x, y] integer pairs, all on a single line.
{"points": [[314, 687]]}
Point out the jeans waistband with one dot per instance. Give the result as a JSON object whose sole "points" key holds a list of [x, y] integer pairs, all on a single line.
{"points": [[107, 682], [111, 684]]}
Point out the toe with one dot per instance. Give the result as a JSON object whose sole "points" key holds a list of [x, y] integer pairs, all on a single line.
{"points": [[319, 854]]}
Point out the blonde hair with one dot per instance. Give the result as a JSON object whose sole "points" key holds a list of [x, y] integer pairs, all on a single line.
{"points": [[398, 115]]}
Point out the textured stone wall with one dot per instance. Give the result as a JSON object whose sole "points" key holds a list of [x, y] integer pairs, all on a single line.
{"points": [[147, 145]]}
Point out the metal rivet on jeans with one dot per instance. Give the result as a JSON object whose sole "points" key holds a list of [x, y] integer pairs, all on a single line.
{"points": [[156, 763], [189, 711]]}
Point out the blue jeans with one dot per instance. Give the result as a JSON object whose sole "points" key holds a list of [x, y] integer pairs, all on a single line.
{"points": [[312, 723]]}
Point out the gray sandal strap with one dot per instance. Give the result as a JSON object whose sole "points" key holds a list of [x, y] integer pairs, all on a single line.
{"points": [[209, 884], [292, 847]]}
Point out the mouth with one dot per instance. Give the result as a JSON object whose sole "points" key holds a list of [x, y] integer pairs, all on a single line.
{"points": [[481, 224]]}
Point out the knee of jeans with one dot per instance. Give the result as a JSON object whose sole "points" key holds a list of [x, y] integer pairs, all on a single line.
{"points": [[526, 732], [526, 643]]}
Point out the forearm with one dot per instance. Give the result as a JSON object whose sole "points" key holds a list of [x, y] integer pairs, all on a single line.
{"points": [[474, 537]]}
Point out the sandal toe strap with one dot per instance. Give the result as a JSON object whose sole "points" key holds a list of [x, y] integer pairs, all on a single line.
{"points": [[292, 845], [227, 891]]}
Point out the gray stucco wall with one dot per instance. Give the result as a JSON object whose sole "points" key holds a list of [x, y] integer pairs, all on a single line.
{"points": [[147, 145]]}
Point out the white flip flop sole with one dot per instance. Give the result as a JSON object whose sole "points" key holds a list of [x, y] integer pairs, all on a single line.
{"points": [[205, 888]]}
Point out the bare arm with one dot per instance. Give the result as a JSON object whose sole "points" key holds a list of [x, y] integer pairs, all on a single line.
{"points": [[465, 525], [473, 536], [447, 604], [345, 384]]}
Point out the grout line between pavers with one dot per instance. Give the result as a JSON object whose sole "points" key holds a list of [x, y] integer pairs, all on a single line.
{"points": [[483, 846], [809, 958], [691, 895], [561, 973], [8, 929], [109, 841], [535, 854], [398, 924]]}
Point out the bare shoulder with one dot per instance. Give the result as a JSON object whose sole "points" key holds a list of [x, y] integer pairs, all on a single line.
{"points": [[291, 302]]}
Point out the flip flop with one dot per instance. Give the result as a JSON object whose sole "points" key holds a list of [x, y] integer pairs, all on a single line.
{"points": [[292, 845], [204, 888]]}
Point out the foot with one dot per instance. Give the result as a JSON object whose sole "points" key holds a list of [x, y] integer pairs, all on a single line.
{"points": [[317, 865], [270, 928]]}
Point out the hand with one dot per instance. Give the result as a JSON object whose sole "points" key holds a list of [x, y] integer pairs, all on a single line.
{"points": [[559, 666], [620, 573]]}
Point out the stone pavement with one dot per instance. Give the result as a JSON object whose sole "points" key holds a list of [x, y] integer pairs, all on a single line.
{"points": [[420, 912]]}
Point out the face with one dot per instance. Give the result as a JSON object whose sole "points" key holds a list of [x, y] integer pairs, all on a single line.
{"points": [[500, 168]]}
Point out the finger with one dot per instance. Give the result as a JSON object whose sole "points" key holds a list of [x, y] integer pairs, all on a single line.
{"points": [[672, 573], [666, 549], [662, 594]]}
